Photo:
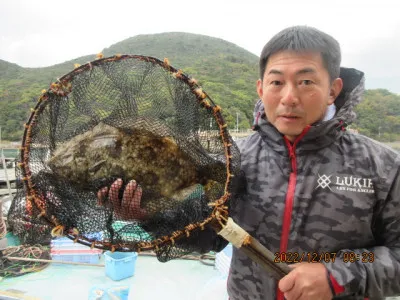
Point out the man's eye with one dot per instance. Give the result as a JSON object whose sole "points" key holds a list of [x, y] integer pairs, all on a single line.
{"points": [[306, 82], [276, 82]]}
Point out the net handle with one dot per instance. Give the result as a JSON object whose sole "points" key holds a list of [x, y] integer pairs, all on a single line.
{"points": [[243, 241]]}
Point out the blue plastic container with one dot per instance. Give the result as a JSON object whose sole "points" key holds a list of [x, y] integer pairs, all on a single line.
{"points": [[120, 265], [228, 250], [223, 260], [89, 256], [84, 257]]}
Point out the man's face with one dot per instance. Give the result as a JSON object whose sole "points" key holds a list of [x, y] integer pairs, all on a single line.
{"points": [[296, 91]]}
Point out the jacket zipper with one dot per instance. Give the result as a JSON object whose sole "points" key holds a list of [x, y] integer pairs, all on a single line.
{"points": [[287, 214]]}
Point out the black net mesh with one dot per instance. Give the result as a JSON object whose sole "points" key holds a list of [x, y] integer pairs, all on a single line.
{"points": [[124, 153], [25, 224]]}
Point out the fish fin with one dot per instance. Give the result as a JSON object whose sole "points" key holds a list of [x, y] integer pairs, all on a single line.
{"points": [[96, 166]]}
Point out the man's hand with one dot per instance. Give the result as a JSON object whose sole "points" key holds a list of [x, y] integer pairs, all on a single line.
{"points": [[128, 208], [307, 281]]}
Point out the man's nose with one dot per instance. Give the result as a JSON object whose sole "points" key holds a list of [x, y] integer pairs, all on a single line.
{"points": [[289, 95]]}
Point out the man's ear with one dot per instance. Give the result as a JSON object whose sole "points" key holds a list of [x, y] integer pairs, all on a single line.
{"points": [[259, 88], [336, 88]]}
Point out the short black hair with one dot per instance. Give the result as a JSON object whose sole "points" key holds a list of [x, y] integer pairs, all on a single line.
{"points": [[301, 39]]}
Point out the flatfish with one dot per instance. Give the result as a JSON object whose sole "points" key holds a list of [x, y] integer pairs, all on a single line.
{"points": [[156, 163]]}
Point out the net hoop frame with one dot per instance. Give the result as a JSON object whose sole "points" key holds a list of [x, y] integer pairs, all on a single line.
{"points": [[63, 87]]}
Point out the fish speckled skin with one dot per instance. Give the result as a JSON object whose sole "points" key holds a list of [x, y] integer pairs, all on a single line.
{"points": [[156, 163]]}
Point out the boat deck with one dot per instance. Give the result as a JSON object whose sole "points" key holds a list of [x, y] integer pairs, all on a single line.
{"points": [[179, 279]]}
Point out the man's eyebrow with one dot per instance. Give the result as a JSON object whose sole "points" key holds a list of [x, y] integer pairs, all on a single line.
{"points": [[274, 71], [305, 71], [299, 72]]}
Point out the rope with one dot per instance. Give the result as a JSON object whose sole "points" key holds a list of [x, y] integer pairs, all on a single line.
{"points": [[9, 268]]}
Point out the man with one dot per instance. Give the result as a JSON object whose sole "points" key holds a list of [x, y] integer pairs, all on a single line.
{"points": [[312, 187], [325, 200]]}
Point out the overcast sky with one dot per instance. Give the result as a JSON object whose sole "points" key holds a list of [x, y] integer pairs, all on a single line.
{"points": [[46, 32]]}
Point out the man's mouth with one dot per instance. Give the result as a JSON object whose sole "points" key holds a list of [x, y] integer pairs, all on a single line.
{"points": [[289, 116]]}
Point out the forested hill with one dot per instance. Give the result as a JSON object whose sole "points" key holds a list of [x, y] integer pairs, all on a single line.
{"points": [[226, 72]]}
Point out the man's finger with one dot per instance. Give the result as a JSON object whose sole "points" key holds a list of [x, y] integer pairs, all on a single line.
{"points": [[138, 192], [128, 194], [293, 294], [139, 212], [287, 282], [114, 192], [101, 196]]}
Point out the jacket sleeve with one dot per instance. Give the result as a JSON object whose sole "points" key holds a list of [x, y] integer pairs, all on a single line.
{"points": [[373, 272], [207, 239]]}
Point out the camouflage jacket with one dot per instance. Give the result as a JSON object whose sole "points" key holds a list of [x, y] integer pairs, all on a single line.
{"points": [[331, 191]]}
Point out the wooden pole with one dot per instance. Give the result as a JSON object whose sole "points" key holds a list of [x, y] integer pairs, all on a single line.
{"points": [[52, 261], [5, 172], [252, 248]]}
